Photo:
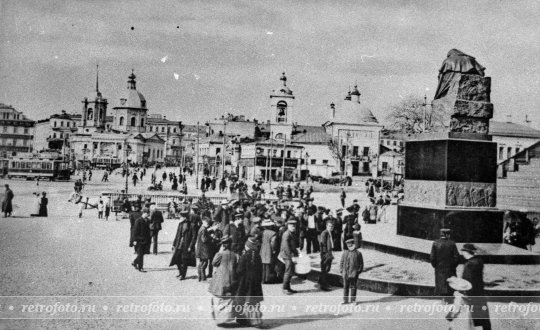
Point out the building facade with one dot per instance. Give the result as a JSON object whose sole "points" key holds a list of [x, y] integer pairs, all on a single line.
{"points": [[16, 131]]}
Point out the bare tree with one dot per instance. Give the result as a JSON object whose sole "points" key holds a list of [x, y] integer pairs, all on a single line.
{"points": [[338, 151], [408, 116]]}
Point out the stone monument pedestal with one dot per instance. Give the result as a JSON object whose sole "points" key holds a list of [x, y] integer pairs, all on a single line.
{"points": [[451, 183]]}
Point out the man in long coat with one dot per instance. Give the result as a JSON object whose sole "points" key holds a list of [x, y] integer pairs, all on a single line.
{"points": [[473, 271], [7, 205], [269, 251], [203, 249], [287, 252], [237, 234], [444, 258], [249, 293], [133, 216], [156, 219], [141, 238], [183, 247], [327, 246]]}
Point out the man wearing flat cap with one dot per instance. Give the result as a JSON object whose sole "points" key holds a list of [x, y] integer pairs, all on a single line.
{"points": [[287, 252], [444, 258]]}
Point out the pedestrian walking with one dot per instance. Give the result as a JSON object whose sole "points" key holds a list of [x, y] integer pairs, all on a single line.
{"points": [[342, 197], [223, 285], [107, 210], [288, 253], [133, 216], [100, 208], [141, 238], [202, 248], [444, 258], [350, 267], [473, 272], [7, 203], [183, 247], [327, 246], [43, 203], [237, 233], [249, 293], [156, 219]]}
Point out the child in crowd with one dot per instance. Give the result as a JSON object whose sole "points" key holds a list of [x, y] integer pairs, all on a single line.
{"points": [[350, 267]]}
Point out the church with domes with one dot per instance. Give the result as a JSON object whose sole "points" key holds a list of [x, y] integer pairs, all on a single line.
{"points": [[125, 138]]}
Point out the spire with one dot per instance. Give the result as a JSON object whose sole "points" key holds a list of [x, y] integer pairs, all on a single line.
{"points": [[284, 79], [97, 80], [131, 81]]}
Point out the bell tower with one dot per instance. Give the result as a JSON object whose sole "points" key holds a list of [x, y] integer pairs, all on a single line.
{"points": [[94, 112], [281, 102]]}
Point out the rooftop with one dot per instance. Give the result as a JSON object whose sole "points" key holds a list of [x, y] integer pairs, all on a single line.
{"points": [[497, 128]]}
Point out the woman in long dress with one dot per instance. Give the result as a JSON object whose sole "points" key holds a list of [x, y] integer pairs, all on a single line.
{"points": [[223, 284], [249, 293]]}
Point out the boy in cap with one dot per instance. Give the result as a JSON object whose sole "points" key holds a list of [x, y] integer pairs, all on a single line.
{"points": [[202, 249], [350, 267]]}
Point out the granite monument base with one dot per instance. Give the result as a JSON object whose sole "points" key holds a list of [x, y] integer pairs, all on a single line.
{"points": [[480, 225]]}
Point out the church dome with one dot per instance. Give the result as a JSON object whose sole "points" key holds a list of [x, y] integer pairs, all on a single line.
{"points": [[132, 97], [284, 89], [354, 112]]}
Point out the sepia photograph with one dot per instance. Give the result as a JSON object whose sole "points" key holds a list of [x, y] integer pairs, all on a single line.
{"points": [[291, 165]]}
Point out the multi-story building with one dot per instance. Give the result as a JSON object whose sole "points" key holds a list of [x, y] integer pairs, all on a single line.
{"points": [[171, 132], [54, 132], [511, 138], [16, 131]]}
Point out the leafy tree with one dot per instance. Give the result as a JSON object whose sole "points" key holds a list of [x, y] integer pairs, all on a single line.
{"points": [[408, 116]]}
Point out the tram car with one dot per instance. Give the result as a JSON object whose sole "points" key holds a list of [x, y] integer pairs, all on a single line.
{"points": [[48, 165], [106, 162]]}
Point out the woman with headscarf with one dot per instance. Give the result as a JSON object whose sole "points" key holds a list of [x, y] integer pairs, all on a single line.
{"points": [[43, 202], [249, 293], [223, 284]]}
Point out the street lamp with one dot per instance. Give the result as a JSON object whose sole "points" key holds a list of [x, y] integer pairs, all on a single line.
{"points": [[127, 150]]}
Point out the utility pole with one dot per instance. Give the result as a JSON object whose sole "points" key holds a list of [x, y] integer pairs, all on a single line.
{"points": [[424, 120], [197, 160], [271, 157], [126, 150], [283, 162], [223, 151]]}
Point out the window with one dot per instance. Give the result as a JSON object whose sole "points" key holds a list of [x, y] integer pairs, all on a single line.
{"points": [[366, 151], [15, 130], [355, 151], [62, 123], [313, 161], [121, 121], [279, 136], [132, 121], [162, 129], [281, 153], [26, 131], [90, 114], [142, 122], [218, 151], [501, 151], [509, 152], [517, 150], [54, 135], [174, 130], [325, 161], [384, 166], [288, 154], [67, 124], [25, 143], [54, 123]]}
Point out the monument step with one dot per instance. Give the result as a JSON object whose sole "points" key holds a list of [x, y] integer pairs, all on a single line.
{"points": [[519, 191], [522, 175], [513, 204], [512, 184], [518, 180], [528, 170]]}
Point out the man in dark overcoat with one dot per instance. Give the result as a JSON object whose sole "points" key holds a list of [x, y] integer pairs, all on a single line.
{"points": [[133, 216], [183, 247], [327, 246], [237, 234], [7, 203], [473, 271], [156, 219], [444, 258], [141, 238]]}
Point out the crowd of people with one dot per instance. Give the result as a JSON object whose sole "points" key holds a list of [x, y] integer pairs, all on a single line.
{"points": [[243, 244]]}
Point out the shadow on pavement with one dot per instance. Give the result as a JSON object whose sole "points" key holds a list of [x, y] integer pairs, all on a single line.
{"points": [[288, 321]]}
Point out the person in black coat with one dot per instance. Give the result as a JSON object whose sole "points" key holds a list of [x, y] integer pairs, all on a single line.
{"points": [[183, 247], [287, 253], [444, 258], [327, 246], [237, 233], [133, 216], [249, 293], [141, 238], [156, 219], [473, 271], [202, 249], [43, 205]]}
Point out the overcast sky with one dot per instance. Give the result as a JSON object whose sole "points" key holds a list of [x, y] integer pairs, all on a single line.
{"points": [[196, 60]]}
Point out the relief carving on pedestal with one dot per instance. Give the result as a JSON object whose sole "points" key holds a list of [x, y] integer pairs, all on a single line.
{"points": [[425, 192], [471, 194]]}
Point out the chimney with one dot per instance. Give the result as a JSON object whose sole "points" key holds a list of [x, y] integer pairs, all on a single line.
{"points": [[509, 118], [527, 121], [333, 109]]}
